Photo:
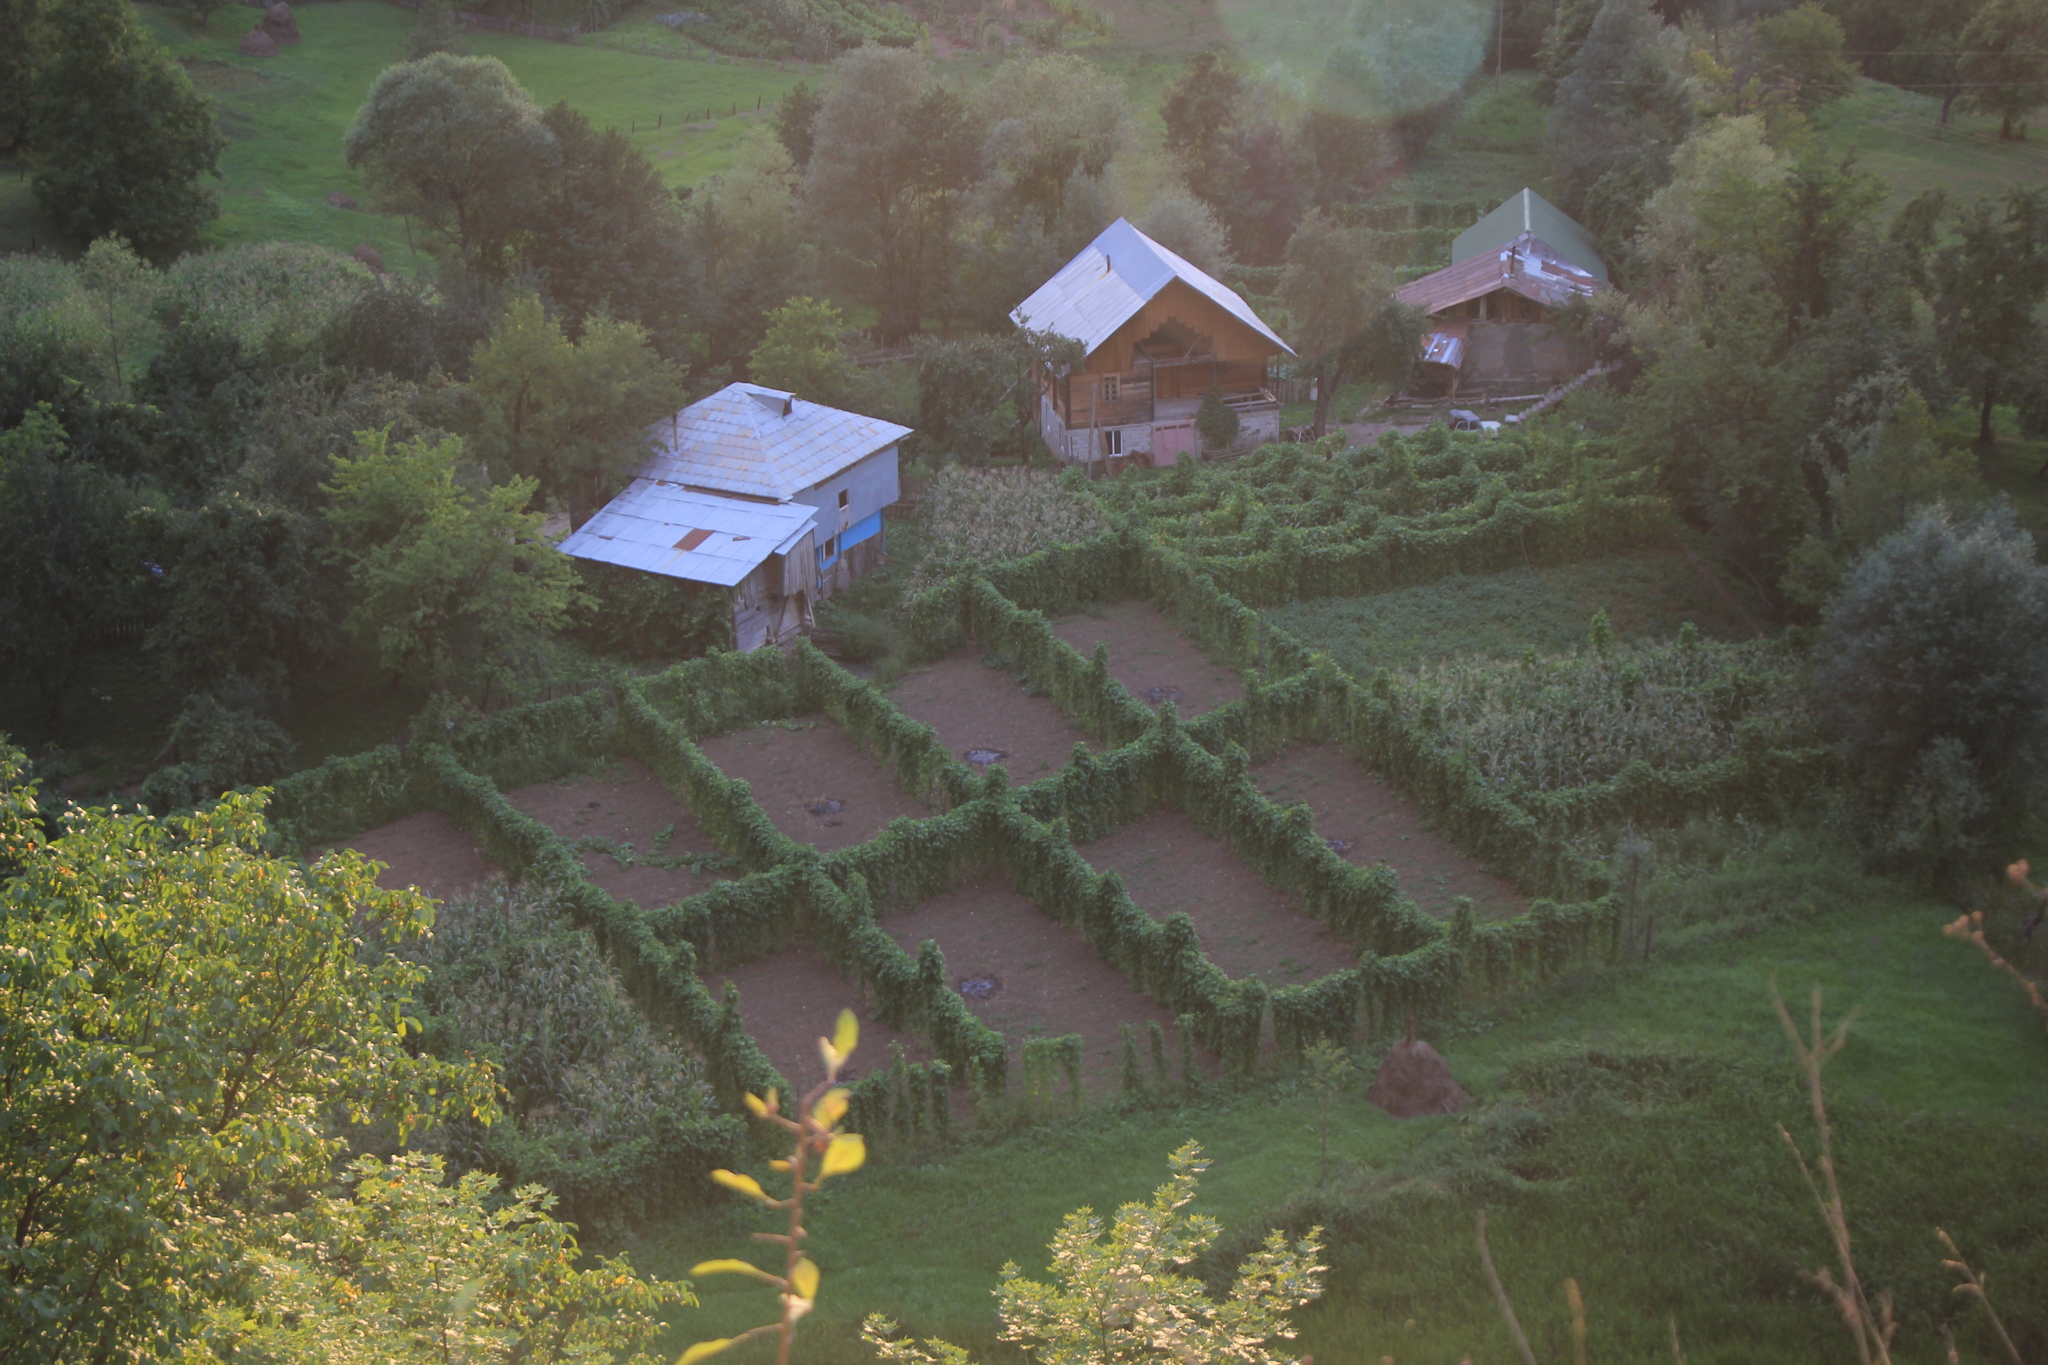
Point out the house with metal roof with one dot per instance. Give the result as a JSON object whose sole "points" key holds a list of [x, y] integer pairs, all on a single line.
{"points": [[1159, 334], [754, 490], [1491, 309]]}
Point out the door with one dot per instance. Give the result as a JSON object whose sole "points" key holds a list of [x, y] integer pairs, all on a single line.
{"points": [[1171, 440]]}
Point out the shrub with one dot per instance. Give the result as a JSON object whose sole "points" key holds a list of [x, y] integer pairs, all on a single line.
{"points": [[217, 747], [1932, 669], [1217, 423]]}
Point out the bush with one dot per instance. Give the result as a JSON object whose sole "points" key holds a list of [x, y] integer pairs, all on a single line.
{"points": [[218, 747], [1217, 423], [1932, 669]]}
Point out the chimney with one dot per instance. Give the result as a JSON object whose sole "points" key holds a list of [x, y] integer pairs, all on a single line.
{"points": [[788, 405]]}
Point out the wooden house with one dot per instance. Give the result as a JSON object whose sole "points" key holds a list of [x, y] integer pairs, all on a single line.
{"points": [[1159, 334], [1490, 310], [779, 500]]}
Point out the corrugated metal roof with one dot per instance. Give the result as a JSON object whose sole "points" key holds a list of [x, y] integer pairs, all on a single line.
{"points": [[1530, 212], [1438, 349], [668, 530], [1526, 266], [1114, 276], [764, 443]]}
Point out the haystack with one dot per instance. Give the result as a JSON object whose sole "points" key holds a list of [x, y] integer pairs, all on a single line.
{"points": [[279, 24], [257, 43], [1415, 1080], [370, 256]]}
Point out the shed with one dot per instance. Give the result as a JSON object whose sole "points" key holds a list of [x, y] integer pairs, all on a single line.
{"points": [[1159, 333], [780, 500]]}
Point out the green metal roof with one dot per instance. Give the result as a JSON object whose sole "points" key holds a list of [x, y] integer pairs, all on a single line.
{"points": [[1529, 211]]}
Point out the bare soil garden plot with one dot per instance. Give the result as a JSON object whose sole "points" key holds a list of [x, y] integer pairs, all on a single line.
{"points": [[626, 804], [1366, 821], [814, 780], [789, 1000], [1244, 926], [425, 850], [1026, 975], [983, 716], [1151, 658]]}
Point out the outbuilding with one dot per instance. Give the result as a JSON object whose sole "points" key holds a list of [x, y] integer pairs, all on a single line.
{"points": [[778, 500]]}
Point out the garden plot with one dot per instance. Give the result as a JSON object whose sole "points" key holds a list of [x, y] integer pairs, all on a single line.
{"points": [[791, 999], [427, 851], [1365, 821], [814, 780], [1152, 659], [1245, 927], [656, 853], [983, 717], [1027, 975]]}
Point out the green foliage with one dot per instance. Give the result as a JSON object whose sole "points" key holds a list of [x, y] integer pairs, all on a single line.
{"points": [[245, 596], [404, 1269], [436, 30], [456, 144], [796, 121], [1805, 45], [1987, 282], [124, 136], [1939, 637], [172, 1072], [1621, 109], [1216, 422], [452, 583], [2004, 60], [800, 353], [1121, 1294], [215, 748], [568, 418], [972, 517], [649, 617], [278, 299]]}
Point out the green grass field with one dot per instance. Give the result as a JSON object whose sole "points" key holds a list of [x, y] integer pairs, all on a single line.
{"points": [[1497, 616], [285, 116], [1657, 1180], [1894, 135]]}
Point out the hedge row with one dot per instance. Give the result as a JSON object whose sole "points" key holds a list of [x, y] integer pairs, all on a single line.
{"points": [[343, 796]]}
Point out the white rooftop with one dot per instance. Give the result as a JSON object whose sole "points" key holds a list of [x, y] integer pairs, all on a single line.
{"points": [[762, 443], [666, 529], [1114, 276]]}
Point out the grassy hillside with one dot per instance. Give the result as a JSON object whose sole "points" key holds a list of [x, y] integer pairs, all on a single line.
{"points": [[1670, 1195], [1893, 134], [285, 116]]}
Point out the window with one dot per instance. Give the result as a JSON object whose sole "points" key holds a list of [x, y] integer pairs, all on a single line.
{"points": [[844, 498], [1113, 442], [829, 554], [1112, 388]]}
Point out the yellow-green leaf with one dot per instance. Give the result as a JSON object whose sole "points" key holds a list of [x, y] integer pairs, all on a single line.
{"points": [[746, 1184], [804, 1279], [847, 1036], [831, 1108], [847, 1153], [756, 1105], [703, 1349], [733, 1267]]}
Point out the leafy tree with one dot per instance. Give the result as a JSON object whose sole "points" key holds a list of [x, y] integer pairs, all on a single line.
{"points": [[800, 352], [1805, 45], [457, 144], [796, 122], [436, 30], [747, 254], [119, 288], [22, 41], [893, 155], [1189, 228], [1620, 112], [1339, 310], [245, 596], [1051, 119], [69, 565], [1327, 1069], [124, 136], [975, 397], [1932, 668], [170, 1072], [201, 12], [607, 236], [216, 748], [404, 1268], [1987, 283], [568, 416], [1201, 110], [2004, 62], [1121, 1293], [452, 582]]}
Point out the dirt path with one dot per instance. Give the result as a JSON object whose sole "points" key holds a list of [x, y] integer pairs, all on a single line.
{"points": [[790, 1000]]}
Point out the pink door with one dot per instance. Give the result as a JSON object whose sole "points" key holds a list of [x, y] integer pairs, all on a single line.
{"points": [[1171, 440]]}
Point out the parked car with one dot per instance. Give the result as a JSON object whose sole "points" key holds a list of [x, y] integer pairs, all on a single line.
{"points": [[1459, 419]]}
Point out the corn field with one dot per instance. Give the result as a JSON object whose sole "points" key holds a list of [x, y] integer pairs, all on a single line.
{"points": [[976, 517]]}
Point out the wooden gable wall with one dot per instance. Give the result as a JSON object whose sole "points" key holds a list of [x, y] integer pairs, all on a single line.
{"points": [[1191, 308]]}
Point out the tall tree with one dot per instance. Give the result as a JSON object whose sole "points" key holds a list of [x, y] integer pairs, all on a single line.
{"points": [[1804, 46], [69, 565], [23, 38], [568, 415], [893, 154], [800, 352], [1050, 119], [458, 145], [125, 138], [453, 583], [1340, 310], [186, 1022], [796, 122], [1987, 283], [607, 235], [2004, 63]]}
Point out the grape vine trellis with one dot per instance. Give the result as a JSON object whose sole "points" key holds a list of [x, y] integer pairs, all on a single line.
{"points": [[1206, 544]]}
